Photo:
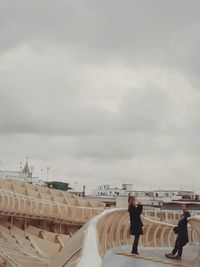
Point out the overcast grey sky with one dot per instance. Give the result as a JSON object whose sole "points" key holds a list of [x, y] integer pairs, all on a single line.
{"points": [[102, 91]]}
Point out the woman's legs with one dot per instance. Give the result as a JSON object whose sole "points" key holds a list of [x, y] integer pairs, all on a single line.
{"points": [[135, 244]]}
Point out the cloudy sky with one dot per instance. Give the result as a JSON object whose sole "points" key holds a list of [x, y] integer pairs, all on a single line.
{"points": [[102, 91]]}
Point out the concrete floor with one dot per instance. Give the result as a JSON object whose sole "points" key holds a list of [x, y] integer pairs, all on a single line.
{"points": [[150, 257]]}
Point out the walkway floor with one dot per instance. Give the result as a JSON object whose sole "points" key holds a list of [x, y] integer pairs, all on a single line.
{"points": [[150, 257]]}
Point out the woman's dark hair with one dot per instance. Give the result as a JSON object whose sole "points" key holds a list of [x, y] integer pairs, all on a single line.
{"points": [[131, 198], [185, 204]]}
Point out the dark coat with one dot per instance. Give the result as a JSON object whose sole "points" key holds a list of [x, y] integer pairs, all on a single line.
{"points": [[136, 222], [182, 231]]}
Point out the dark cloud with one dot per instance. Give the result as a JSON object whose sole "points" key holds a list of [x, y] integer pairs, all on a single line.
{"points": [[144, 32]]}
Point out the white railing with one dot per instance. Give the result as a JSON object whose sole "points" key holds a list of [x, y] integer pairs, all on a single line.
{"points": [[195, 223], [112, 228]]}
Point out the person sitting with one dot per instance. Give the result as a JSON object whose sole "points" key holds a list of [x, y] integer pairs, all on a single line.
{"points": [[182, 234], [135, 210]]}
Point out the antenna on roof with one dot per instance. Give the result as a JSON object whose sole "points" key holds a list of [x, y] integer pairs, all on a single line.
{"points": [[48, 168]]}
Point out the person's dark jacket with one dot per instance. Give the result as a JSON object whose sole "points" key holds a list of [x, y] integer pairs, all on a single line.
{"points": [[182, 231], [136, 222]]}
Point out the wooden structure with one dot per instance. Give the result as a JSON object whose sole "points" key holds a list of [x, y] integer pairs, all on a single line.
{"points": [[42, 227]]}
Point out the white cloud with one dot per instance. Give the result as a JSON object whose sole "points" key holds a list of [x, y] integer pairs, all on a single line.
{"points": [[101, 96]]}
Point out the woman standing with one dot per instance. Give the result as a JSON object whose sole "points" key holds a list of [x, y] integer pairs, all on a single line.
{"points": [[135, 210]]}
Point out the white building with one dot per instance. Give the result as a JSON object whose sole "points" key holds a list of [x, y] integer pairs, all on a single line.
{"points": [[165, 193], [107, 190], [26, 174], [146, 197], [174, 194], [126, 190]]}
